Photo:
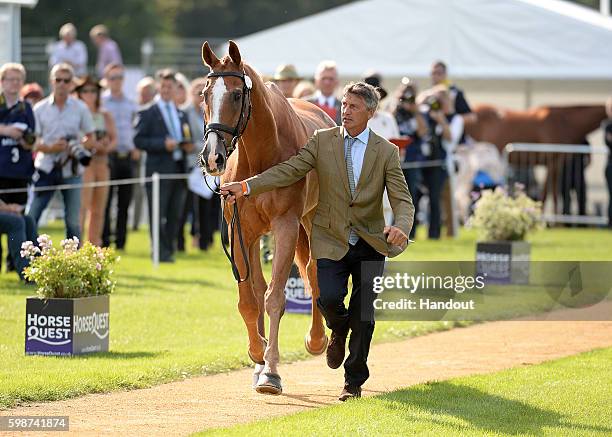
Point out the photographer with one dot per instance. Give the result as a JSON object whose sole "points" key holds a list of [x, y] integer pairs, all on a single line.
{"points": [[93, 199], [412, 125], [444, 132], [62, 150], [16, 134]]}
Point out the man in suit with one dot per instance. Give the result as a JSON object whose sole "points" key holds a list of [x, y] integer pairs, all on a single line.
{"points": [[354, 166], [162, 130], [326, 81]]}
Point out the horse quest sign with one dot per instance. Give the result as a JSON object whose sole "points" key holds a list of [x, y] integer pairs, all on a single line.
{"points": [[296, 300], [67, 326]]}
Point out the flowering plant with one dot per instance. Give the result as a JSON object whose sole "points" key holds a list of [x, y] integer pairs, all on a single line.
{"points": [[69, 272], [501, 216]]}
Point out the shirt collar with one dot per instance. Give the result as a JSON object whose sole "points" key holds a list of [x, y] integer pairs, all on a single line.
{"points": [[162, 103], [69, 100], [325, 100], [364, 136]]}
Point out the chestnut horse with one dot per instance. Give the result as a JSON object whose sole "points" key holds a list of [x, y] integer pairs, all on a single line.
{"points": [[267, 129], [544, 124]]}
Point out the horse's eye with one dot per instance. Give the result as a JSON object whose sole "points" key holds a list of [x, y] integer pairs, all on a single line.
{"points": [[237, 97]]}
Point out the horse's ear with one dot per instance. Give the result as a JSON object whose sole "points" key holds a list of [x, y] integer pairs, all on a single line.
{"points": [[234, 52], [208, 56]]}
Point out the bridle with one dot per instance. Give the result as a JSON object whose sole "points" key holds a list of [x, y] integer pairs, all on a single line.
{"points": [[243, 120], [236, 133]]}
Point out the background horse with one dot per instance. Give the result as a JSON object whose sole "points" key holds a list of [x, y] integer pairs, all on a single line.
{"points": [[267, 129], [544, 124]]}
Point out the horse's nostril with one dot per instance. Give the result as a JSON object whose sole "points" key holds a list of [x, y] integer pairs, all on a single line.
{"points": [[219, 161]]}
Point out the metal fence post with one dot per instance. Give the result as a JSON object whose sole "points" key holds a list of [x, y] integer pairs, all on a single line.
{"points": [[155, 218]]}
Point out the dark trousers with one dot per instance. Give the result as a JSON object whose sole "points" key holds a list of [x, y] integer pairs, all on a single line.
{"points": [[572, 179], [413, 180], [433, 179], [18, 198], [209, 211], [333, 284], [188, 210], [121, 167], [609, 180], [172, 194], [19, 228]]}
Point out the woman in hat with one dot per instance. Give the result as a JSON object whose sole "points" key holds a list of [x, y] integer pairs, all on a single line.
{"points": [[286, 77], [93, 199]]}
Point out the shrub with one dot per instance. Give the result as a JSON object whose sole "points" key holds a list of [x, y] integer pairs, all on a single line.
{"points": [[69, 272], [500, 216]]}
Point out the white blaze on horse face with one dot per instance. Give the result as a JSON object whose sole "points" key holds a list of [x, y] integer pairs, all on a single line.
{"points": [[218, 92]]}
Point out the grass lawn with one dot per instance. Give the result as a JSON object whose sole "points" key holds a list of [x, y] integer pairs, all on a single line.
{"points": [[566, 397], [181, 319]]}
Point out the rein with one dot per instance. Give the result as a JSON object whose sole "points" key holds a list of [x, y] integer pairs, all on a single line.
{"points": [[236, 132]]}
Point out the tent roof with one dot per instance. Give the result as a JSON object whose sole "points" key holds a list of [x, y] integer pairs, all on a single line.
{"points": [[476, 38]]}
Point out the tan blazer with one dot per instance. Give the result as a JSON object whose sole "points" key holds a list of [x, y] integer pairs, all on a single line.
{"points": [[336, 212]]}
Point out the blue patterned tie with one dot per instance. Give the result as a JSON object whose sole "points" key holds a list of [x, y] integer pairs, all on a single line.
{"points": [[353, 237]]}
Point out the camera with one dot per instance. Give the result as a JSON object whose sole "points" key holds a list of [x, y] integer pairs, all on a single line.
{"points": [[77, 151], [100, 133], [433, 103], [408, 98], [29, 137]]}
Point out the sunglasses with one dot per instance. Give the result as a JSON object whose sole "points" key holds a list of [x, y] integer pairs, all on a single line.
{"points": [[410, 99], [117, 77], [60, 80]]}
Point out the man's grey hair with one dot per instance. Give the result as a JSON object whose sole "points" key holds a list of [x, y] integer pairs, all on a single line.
{"points": [[63, 66], [366, 91], [68, 29], [325, 65]]}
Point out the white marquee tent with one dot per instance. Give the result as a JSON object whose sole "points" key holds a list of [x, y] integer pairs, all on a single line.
{"points": [[10, 28], [502, 39]]}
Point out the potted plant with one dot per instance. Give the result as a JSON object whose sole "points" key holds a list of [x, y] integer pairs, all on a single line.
{"points": [[70, 315], [503, 220]]}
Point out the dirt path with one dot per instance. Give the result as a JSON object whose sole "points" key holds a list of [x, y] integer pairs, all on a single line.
{"points": [[184, 407]]}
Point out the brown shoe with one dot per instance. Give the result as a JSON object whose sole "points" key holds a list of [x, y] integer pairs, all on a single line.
{"points": [[336, 349], [350, 392]]}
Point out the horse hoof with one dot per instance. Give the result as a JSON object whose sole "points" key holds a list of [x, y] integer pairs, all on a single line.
{"points": [[259, 361], [258, 369], [312, 351], [269, 384]]}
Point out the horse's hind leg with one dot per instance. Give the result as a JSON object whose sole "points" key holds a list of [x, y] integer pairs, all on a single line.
{"points": [[316, 340], [285, 230]]}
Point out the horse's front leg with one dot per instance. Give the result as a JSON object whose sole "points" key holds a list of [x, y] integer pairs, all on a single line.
{"points": [[285, 230]]}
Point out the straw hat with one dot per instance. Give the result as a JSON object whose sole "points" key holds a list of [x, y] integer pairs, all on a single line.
{"points": [[286, 72]]}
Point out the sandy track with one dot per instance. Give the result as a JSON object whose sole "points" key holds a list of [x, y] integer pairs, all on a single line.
{"points": [[184, 407]]}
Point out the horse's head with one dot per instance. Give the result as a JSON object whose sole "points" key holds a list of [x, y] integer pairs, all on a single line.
{"points": [[226, 105]]}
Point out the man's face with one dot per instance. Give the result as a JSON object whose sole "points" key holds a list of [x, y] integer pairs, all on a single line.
{"points": [[196, 94], [438, 75], [287, 86], [114, 79], [327, 81], [62, 84], [355, 114], [12, 82], [167, 89]]}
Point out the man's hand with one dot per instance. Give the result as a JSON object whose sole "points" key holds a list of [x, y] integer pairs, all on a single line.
{"points": [[231, 191], [135, 154], [396, 236], [170, 144], [59, 146], [11, 208], [12, 131]]}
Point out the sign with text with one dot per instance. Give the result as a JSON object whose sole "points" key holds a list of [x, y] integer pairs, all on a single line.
{"points": [[296, 298], [67, 326]]}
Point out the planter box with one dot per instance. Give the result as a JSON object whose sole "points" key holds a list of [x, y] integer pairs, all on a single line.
{"points": [[296, 300], [67, 326], [503, 262]]}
